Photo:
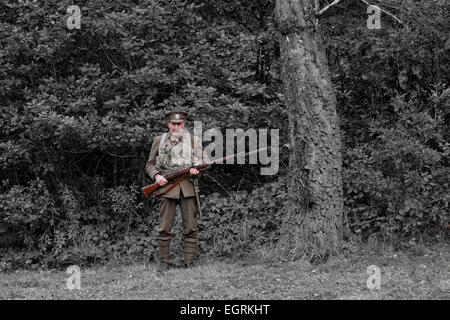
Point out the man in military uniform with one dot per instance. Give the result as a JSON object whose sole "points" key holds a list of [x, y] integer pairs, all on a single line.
{"points": [[173, 151]]}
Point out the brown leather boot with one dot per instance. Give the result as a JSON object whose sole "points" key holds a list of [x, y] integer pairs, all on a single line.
{"points": [[189, 251], [164, 250]]}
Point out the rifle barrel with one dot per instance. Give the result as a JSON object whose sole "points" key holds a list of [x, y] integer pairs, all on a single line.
{"points": [[236, 154], [201, 167]]}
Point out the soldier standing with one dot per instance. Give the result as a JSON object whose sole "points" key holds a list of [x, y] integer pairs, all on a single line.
{"points": [[173, 151]]}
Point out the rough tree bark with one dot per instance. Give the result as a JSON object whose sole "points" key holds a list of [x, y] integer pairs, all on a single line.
{"points": [[313, 224]]}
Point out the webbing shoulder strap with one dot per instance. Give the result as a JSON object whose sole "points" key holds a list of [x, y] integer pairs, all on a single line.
{"points": [[161, 142]]}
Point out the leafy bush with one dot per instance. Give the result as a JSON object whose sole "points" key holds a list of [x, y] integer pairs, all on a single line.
{"points": [[398, 184], [239, 222], [27, 211]]}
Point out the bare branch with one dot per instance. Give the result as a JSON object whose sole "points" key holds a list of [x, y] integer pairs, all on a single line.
{"points": [[335, 2], [388, 13], [320, 12]]}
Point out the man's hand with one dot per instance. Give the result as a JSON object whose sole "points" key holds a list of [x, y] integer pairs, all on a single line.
{"points": [[160, 180], [193, 172]]}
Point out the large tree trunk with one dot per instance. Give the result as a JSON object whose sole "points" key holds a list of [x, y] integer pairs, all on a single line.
{"points": [[313, 224]]}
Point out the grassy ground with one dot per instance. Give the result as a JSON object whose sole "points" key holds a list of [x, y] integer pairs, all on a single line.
{"points": [[417, 274]]}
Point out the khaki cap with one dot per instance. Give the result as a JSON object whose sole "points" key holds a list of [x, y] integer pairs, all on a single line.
{"points": [[177, 116]]}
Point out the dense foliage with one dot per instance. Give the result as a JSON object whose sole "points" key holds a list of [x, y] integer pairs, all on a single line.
{"points": [[81, 107]]}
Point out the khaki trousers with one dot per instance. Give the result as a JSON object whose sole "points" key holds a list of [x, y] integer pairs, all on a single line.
{"points": [[166, 219]]}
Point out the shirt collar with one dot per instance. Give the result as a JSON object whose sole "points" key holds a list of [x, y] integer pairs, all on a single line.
{"points": [[173, 138]]}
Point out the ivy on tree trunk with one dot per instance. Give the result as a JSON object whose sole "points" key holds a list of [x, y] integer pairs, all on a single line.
{"points": [[313, 224]]}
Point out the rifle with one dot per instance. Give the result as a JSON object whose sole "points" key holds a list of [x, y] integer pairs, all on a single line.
{"points": [[183, 173]]}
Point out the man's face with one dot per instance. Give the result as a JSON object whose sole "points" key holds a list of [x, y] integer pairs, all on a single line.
{"points": [[176, 128]]}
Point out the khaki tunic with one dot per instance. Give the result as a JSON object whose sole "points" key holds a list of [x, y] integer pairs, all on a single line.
{"points": [[184, 186]]}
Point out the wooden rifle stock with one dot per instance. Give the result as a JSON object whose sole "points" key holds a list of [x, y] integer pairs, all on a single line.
{"points": [[148, 190]]}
